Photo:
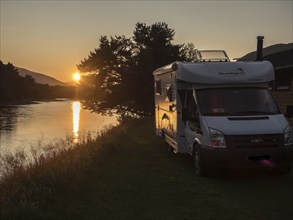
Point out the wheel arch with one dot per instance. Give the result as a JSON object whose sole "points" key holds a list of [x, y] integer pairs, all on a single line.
{"points": [[196, 143]]}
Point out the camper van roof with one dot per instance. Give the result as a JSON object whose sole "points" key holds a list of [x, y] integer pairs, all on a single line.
{"points": [[221, 72]]}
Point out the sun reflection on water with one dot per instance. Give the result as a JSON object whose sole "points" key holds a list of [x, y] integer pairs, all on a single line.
{"points": [[75, 120]]}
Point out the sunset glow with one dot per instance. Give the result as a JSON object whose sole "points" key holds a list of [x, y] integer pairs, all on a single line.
{"points": [[42, 27], [76, 77]]}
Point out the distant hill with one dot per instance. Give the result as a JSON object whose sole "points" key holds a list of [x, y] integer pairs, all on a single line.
{"points": [[40, 78], [267, 51]]}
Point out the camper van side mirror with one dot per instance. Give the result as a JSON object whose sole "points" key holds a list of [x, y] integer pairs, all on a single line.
{"points": [[289, 112], [184, 114]]}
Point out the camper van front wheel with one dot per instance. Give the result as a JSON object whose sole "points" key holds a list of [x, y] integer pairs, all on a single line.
{"points": [[200, 168]]}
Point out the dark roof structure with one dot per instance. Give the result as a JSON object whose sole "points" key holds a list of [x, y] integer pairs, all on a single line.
{"points": [[276, 48], [280, 60]]}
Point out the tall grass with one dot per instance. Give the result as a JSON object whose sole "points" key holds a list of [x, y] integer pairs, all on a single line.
{"points": [[29, 179], [23, 158]]}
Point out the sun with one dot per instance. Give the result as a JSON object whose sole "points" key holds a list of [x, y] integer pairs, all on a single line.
{"points": [[76, 76]]}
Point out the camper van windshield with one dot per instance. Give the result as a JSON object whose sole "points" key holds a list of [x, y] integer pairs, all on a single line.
{"points": [[236, 101]]}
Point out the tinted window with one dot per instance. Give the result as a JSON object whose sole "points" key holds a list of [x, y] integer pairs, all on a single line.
{"points": [[236, 101]]}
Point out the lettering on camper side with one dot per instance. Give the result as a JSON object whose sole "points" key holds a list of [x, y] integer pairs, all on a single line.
{"points": [[233, 73]]}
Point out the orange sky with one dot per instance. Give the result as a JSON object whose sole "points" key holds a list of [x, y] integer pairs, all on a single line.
{"points": [[51, 37]]}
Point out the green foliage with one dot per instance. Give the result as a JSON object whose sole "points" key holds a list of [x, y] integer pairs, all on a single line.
{"points": [[121, 79], [14, 87]]}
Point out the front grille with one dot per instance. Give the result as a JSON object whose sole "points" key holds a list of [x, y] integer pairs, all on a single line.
{"points": [[254, 141]]}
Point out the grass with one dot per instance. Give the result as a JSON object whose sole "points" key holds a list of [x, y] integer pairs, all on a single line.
{"points": [[128, 173]]}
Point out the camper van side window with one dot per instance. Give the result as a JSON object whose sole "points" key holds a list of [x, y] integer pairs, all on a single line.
{"points": [[158, 87]]}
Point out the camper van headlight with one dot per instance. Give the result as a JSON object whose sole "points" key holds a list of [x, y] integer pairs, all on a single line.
{"points": [[288, 135], [217, 139]]}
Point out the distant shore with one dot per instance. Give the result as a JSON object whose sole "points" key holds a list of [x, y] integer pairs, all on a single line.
{"points": [[11, 103], [29, 102]]}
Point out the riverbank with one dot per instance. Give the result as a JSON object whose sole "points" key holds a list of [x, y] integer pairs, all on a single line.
{"points": [[12, 103], [29, 102], [128, 173]]}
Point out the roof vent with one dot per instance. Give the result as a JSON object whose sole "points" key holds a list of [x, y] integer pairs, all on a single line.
{"points": [[259, 48], [213, 56]]}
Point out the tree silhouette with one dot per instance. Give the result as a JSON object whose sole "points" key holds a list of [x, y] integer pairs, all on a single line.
{"points": [[17, 88], [110, 66], [120, 79]]}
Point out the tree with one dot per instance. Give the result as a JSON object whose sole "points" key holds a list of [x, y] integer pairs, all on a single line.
{"points": [[155, 50], [190, 52], [14, 87], [106, 89], [120, 79], [9, 82]]}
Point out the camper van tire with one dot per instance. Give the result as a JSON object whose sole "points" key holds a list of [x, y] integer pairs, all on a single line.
{"points": [[200, 167]]}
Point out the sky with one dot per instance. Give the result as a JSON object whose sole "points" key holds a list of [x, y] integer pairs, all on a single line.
{"points": [[52, 37]]}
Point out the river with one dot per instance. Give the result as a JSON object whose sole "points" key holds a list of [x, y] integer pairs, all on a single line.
{"points": [[32, 126]]}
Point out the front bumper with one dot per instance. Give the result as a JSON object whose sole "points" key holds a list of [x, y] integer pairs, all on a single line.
{"points": [[247, 158]]}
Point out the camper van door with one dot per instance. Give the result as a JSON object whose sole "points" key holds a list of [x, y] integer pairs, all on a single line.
{"points": [[192, 125]]}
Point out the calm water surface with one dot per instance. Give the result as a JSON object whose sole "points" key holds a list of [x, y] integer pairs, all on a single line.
{"points": [[24, 126]]}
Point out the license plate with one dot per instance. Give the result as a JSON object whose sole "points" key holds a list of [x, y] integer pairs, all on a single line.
{"points": [[259, 157]]}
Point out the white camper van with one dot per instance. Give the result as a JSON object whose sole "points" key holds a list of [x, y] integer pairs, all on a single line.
{"points": [[222, 113]]}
